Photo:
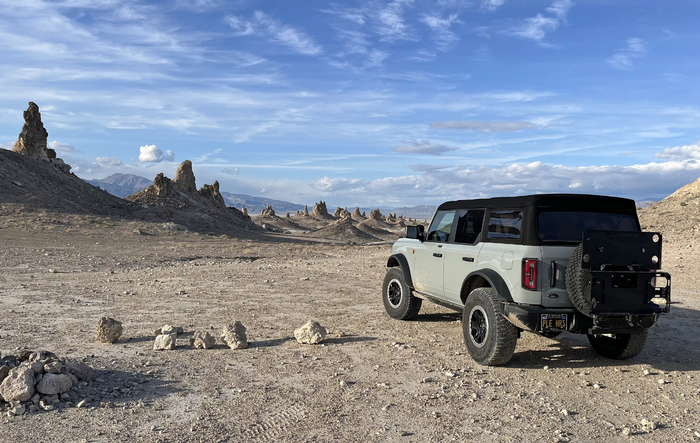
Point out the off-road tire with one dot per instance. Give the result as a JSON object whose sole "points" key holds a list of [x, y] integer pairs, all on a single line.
{"points": [[495, 344], [620, 347], [578, 282], [407, 305]]}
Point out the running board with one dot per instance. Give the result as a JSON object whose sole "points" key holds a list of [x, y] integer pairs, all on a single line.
{"points": [[439, 301]]}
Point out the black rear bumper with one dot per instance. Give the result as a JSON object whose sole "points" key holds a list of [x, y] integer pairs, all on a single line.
{"points": [[528, 317]]}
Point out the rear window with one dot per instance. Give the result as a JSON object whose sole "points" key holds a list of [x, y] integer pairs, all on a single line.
{"points": [[505, 224], [569, 226]]}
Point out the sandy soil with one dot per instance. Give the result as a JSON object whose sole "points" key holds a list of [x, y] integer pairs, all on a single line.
{"points": [[374, 379]]}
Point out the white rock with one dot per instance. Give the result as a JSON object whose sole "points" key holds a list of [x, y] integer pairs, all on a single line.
{"points": [[108, 330], [204, 340], [165, 342], [311, 333], [18, 385]]}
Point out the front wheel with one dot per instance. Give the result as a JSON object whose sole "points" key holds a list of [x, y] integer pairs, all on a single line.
{"points": [[399, 301], [619, 346], [489, 337]]}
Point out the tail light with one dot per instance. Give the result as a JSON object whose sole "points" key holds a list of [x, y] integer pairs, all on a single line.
{"points": [[530, 274]]}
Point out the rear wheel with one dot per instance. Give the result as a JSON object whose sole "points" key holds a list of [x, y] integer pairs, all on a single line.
{"points": [[489, 337], [399, 301], [619, 346]]}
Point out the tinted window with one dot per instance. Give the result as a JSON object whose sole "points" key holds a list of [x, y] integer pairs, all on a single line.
{"points": [[569, 226], [441, 226], [469, 225], [505, 224]]}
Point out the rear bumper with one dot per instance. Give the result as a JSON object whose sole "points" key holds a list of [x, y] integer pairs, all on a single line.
{"points": [[528, 317]]}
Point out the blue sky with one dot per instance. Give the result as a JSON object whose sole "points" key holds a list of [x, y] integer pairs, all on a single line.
{"points": [[364, 102]]}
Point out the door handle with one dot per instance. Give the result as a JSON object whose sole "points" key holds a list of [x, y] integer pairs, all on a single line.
{"points": [[469, 259], [435, 254]]}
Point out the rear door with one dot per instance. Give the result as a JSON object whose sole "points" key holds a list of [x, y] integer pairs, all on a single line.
{"points": [[429, 255], [462, 256]]}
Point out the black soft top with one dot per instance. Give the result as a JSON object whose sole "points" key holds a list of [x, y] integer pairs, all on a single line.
{"points": [[559, 202]]}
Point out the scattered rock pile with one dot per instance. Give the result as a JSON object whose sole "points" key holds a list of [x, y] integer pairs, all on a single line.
{"points": [[33, 381], [33, 140]]}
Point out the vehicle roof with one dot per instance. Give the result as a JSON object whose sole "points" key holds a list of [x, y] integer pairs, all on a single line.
{"points": [[563, 202]]}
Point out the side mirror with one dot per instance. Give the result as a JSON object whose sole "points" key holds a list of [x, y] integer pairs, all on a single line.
{"points": [[415, 232]]}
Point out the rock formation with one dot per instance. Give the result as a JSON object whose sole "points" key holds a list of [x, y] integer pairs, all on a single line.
{"points": [[212, 193], [306, 210], [184, 177], [357, 215], [268, 212], [336, 213], [244, 211], [162, 185], [33, 140], [375, 214], [320, 210], [288, 216]]}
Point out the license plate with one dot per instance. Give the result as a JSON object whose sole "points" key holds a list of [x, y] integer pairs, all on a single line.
{"points": [[554, 321]]}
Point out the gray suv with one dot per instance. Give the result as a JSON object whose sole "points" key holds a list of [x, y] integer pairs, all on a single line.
{"points": [[543, 263]]}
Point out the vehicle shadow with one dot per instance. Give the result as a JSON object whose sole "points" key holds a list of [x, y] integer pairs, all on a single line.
{"points": [[673, 345], [450, 316], [112, 386]]}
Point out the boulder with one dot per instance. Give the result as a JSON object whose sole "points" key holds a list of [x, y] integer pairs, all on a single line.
{"points": [[18, 385], [204, 340], [165, 342], [311, 333], [184, 177], [320, 209], [54, 384], [169, 329], [268, 211], [108, 330], [53, 367], [234, 336], [33, 140], [80, 370], [211, 192]]}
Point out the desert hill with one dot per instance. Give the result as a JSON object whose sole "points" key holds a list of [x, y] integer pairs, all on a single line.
{"points": [[122, 185], [678, 215]]}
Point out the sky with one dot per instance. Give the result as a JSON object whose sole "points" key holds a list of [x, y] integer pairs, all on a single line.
{"points": [[386, 103]]}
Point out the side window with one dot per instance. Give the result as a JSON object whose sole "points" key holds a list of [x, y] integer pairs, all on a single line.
{"points": [[505, 224], [441, 226], [469, 225]]}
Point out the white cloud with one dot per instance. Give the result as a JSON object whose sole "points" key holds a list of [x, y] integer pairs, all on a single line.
{"points": [[390, 24], [326, 184], [680, 153], [63, 148], [234, 171], [634, 48], [491, 5], [150, 153], [274, 30], [441, 27], [484, 127], [537, 27], [108, 161], [423, 147]]}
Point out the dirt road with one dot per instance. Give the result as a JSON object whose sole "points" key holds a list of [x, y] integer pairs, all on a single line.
{"points": [[374, 379]]}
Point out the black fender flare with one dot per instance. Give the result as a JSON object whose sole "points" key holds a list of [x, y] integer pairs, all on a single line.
{"points": [[401, 261], [493, 279]]}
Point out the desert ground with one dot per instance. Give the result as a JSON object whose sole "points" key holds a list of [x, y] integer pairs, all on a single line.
{"points": [[373, 378]]}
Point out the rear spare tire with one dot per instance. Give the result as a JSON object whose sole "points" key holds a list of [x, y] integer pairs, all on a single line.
{"points": [[578, 282], [619, 346]]}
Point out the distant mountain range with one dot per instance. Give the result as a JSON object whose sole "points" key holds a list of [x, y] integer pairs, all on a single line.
{"points": [[122, 185]]}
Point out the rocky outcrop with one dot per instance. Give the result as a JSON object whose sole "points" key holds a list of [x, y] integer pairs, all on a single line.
{"points": [[356, 215], [211, 192], [320, 210], [375, 214], [268, 212], [162, 185], [288, 216], [244, 211], [306, 210], [184, 177], [311, 333], [33, 140], [108, 330]]}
